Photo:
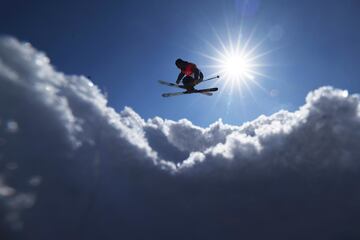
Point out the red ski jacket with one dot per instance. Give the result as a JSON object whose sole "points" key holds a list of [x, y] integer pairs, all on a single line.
{"points": [[189, 69]]}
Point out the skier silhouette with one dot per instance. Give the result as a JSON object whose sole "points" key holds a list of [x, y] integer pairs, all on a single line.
{"points": [[190, 75]]}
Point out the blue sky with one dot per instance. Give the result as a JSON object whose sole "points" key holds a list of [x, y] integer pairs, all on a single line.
{"points": [[127, 46]]}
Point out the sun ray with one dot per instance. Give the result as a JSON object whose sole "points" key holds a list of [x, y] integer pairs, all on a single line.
{"points": [[263, 54], [253, 49], [238, 61], [224, 48], [219, 52], [247, 41]]}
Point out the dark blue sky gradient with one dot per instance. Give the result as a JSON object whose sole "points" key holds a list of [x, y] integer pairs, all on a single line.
{"points": [[126, 46]]}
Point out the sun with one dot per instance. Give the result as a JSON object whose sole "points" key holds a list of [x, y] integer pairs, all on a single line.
{"points": [[236, 67], [239, 61]]}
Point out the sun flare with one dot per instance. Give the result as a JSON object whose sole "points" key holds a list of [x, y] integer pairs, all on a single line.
{"points": [[238, 61], [236, 67]]}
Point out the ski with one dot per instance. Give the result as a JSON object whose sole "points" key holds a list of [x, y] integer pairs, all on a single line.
{"points": [[182, 93], [171, 84], [206, 91], [203, 90], [172, 94], [182, 86]]}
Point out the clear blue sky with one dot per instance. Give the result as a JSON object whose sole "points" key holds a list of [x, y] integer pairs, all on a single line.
{"points": [[127, 46]]}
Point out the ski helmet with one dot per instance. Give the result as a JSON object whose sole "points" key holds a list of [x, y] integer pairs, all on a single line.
{"points": [[179, 62]]}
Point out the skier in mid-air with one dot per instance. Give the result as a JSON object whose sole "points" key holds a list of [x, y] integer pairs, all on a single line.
{"points": [[190, 75]]}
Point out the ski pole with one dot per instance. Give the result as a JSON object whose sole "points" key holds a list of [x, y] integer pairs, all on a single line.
{"points": [[211, 78]]}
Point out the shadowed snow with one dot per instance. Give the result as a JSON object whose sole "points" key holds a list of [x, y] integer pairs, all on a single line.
{"points": [[73, 167]]}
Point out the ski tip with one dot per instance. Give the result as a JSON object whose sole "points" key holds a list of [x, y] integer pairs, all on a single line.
{"points": [[213, 89], [169, 94]]}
